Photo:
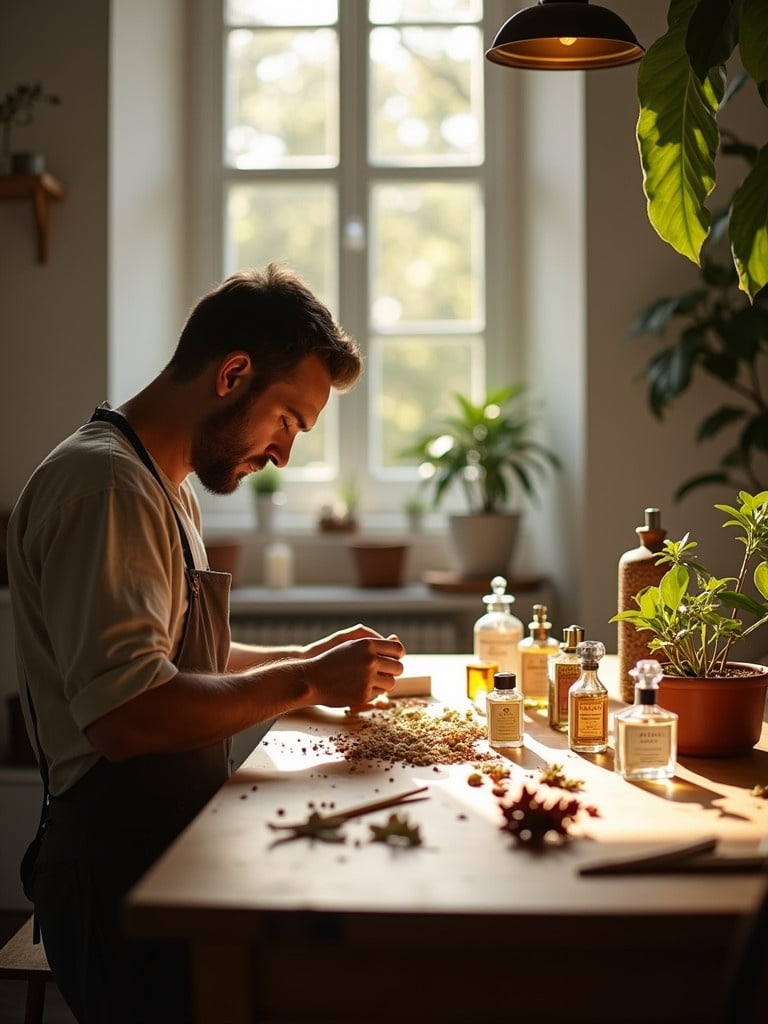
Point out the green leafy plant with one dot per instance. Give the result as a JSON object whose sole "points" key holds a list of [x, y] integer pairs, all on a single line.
{"points": [[266, 480], [18, 107], [692, 614], [681, 88], [486, 449], [724, 336]]}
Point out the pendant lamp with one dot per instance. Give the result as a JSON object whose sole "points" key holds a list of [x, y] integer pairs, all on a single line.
{"points": [[565, 35]]}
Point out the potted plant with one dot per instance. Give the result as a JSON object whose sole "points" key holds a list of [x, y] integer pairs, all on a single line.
{"points": [[341, 516], [487, 451], [265, 484], [695, 619], [721, 334], [17, 108], [414, 508]]}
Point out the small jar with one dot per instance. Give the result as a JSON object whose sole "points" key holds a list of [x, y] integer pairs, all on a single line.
{"points": [[504, 706]]}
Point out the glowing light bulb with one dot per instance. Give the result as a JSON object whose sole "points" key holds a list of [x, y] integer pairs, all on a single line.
{"points": [[568, 40]]}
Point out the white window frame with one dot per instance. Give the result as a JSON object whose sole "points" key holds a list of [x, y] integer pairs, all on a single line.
{"points": [[207, 180]]}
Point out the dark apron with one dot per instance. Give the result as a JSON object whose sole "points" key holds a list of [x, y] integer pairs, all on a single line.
{"points": [[99, 837]]}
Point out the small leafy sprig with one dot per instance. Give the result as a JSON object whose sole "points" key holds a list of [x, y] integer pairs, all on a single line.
{"points": [[555, 776], [397, 832], [692, 612]]}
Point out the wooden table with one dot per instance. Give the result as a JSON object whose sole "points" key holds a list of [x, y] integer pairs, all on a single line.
{"points": [[468, 926]]}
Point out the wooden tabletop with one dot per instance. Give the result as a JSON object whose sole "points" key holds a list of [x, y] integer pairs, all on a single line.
{"points": [[230, 893]]}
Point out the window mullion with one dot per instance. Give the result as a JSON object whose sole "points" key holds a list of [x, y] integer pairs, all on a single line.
{"points": [[353, 211]]}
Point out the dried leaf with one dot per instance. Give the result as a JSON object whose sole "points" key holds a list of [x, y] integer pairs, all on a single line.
{"points": [[317, 826], [397, 832]]}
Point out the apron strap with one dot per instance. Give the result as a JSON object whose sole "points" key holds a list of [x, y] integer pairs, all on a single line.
{"points": [[122, 424]]}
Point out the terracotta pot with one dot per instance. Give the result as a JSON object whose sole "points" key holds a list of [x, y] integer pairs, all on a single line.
{"points": [[225, 556], [379, 564], [717, 717]]}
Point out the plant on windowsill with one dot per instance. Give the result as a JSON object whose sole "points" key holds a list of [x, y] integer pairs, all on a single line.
{"points": [[341, 516], [18, 108], [694, 620], [489, 453], [265, 485]]}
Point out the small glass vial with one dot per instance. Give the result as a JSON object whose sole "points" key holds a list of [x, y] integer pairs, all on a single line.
{"points": [[480, 681], [498, 632], [564, 669], [535, 651], [505, 712], [645, 735], [588, 703]]}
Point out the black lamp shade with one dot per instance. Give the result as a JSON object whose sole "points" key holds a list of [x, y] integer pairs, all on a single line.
{"points": [[565, 35]]}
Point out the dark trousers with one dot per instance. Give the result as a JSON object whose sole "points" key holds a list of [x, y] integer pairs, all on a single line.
{"points": [[78, 889]]}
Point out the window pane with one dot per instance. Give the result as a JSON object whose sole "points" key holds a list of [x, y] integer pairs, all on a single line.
{"points": [[414, 378], [426, 96], [287, 12], [385, 12], [296, 224], [282, 98], [427, 254]]}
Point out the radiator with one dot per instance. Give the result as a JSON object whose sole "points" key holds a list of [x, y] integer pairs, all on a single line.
{"points": [[421, 634]]}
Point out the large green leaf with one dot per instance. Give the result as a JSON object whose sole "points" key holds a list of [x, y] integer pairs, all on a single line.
{"points": [[749, 227], [712, 34], [753, 44], [678, 137]]}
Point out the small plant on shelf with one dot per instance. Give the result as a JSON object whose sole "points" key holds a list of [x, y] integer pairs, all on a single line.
{"points": [[18, 108]]}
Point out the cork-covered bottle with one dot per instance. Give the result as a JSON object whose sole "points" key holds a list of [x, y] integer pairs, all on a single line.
{"points": [[637, 569]]}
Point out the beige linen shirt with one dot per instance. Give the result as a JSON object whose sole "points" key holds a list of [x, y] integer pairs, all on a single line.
{"points": [[98, 591]]}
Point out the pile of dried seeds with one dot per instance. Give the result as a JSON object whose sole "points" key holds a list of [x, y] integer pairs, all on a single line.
{"points": [[407, 732]]}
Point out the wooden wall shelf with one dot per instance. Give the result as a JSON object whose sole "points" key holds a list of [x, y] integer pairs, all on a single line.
{"points": [[39, 189]]}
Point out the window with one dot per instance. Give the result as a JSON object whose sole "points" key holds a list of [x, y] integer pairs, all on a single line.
{"points": [[355, 147]]}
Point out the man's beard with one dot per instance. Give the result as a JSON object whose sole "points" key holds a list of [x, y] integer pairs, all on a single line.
{"points": [[218, 448]]}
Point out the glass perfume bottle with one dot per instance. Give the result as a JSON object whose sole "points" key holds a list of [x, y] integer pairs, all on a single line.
{"points": [[645, 735], [498, 632], [535, 651], [564, 669], [588, 703], [505, 712]]}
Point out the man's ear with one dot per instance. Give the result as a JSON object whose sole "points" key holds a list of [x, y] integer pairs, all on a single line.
{"points": [[234, 371]]}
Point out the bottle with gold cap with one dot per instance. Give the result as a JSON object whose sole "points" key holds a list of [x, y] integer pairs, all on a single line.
{"points": [[637, 569], [564, 670], [535, 652]]}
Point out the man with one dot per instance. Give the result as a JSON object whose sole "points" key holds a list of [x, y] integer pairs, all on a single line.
{"points": [[130, 682]]}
